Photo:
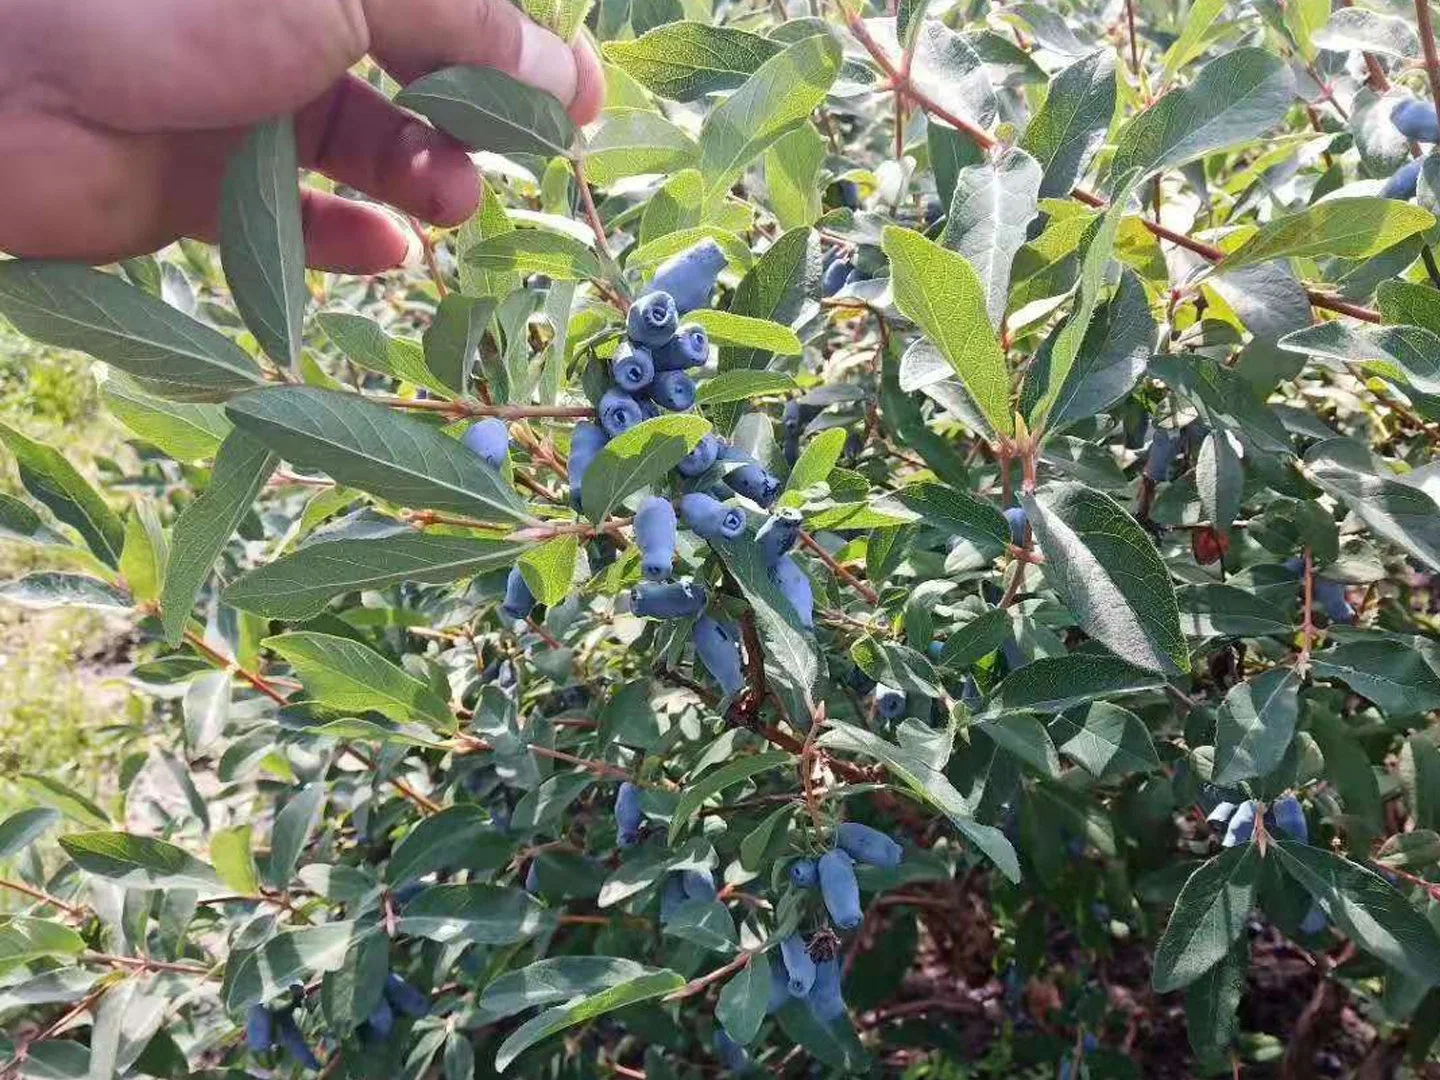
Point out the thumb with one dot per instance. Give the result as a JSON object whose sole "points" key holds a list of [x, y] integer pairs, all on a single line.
{"points": [[414, 37]]}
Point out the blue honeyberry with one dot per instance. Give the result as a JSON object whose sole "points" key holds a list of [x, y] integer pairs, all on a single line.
{"points": [[1330, 595], [629, 815], [404, 998], [381, 1021], [970, 695], [804, 874], [655, 536], [489, 440], [709, 518], [289, 1039], [1221, 814], [1415, 120], [699, 460], [673, 390], [519, 600], [672, 895], [1242, 825], [889, 702], [794, 585], [689, 348], [698, 884], [690, 276], [1290, 818], [259, 1028], [1315, 920], [648, 407], [1016, 518], [1403, 182], [532, 877], [653, 319], [1164, 444], [797, 414], [848, 194], [733, 1056], [825, 999], [751, 479], [585, 445], [790, 448], [777, 534], [833, 280], [779, 989], [839, 889], [619, 412], [869, 846], [668, 600], [799, 968], [633, 368], [718, 648]]}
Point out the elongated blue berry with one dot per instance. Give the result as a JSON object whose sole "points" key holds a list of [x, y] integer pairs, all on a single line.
{"points": [[799, 968], [653, 319], [1330, 595], [732, 1055], [1164, 444], [668, 600], [839, 889], [794, 585], [689, 348], [848, 193], [519, 601], [672, 895], [1242, 825], [585, 444], [1290, 818], [698, 461], [869, 846], [489, 440], [619, 412], [777, 534], [1018, 522], [1403, 182], [381, 1020], [289, 1039], [1416, 120], [698, 884], [889, 702], [655, 535], [709, 518], [750, 479], [790, 448], [1221, 814], [690, 276], [259, 1028], [532, 877], [1314, 920], [633, 368], [673, 390], [858, 681], [825, 999], [405, 998], [628, 814], [804, 874], [719, 650], [833, 280]]}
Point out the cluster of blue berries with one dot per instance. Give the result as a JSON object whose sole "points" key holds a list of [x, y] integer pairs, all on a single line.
{"points": [[1285, 816], [274, 1027], [840, 270], [1416, 121]]}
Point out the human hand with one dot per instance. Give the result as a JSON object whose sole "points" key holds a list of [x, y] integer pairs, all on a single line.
{"points": [[116, 120]]}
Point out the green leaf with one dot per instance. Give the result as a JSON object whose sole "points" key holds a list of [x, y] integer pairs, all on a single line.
{"points": [[142, 561], [560, 978], [489, 110], [685, 61], [743, 1000], [535, 251], [1238, 96], [234, 861], [461, 837], [1194, 35], [53, 481], [1367, 908], [168, 353], [896, 665], [351, 992], [262, 247], [971, 642], [1403, 681], [1212, 1000], [742, 385], [19, 521], [630, 142], [1355, 228], [1359, 29], [1110, 360], [490, 220], [835, 1044], [138, 862], [780, 95], [929, 785], [187, 431], [475, 914], [1226, 397], [365, 445], [1404, 515], [564, 18], [263, 974], [1254, 725], [342, 674], [693, 797], [52, 793], [1408, 356], [549, 569], [1106, 570], [645, 987], [1024, 736], [1209, 916], [364, 343], [242, 466], [777, 289], [993, 205], [650, 864], [1219, 479], [815, 463], [1053, 684], [941, 292], [792, 177], [23, 939], [297, 586], [453, 338], [24, 827], [955, 511], [728, 328], [52, 589], [1070, 126], [637, 458], [293, 827], [706, 923], [1105, 740]]}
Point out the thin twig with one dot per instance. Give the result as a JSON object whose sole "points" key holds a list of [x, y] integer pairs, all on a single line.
{"points": [[43, 898], [813, 545]]}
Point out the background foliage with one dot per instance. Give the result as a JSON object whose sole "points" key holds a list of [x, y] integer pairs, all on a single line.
{"points": [[1096, 349]]}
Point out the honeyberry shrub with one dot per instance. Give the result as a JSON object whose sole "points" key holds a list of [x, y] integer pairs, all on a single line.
{"points": [[910, 504]]}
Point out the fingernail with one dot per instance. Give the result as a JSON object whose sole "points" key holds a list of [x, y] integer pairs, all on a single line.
{"points": [[547, 63]]}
